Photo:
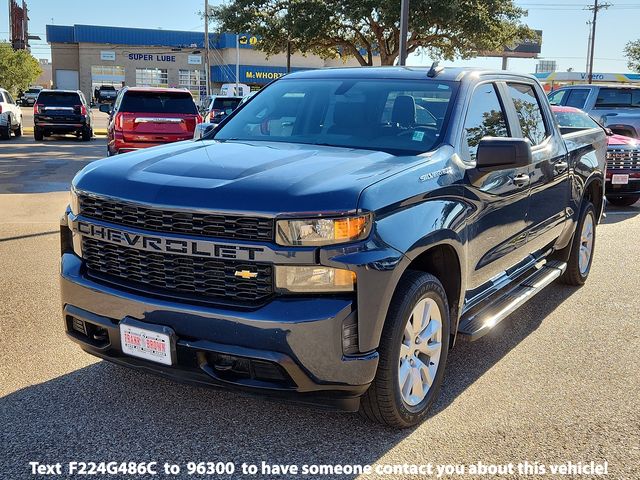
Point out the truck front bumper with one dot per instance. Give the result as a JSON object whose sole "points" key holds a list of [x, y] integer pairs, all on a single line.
{"points": [[290, 347]]}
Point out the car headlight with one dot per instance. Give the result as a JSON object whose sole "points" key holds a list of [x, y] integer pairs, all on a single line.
{"points": [[74, 202], [322, 231], [314, 279]]}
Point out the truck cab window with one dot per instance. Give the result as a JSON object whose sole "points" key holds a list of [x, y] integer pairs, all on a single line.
{"points": [[485, 118], [577, 97], [555, 98], [529, 113]]}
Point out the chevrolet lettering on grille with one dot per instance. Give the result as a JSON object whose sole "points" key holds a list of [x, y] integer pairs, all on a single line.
{"points": [[177, 246]]}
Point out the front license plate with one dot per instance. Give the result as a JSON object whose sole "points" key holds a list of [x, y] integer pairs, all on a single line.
{"points": [[619, 179], [147, 344]]}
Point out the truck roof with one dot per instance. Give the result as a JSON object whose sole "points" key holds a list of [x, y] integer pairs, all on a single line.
{"points": [[411, 73], [600, 85]]}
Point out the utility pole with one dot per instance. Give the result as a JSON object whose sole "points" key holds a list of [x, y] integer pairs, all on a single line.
{"points": [[589, 47], [207, 67], [404, 27], [595, 8], [237, 64]]}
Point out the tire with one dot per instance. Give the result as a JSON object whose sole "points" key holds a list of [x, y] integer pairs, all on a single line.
{"points": [[87, 133], [37, 134], [18, 131], [623, 201], [385, 402], [583, 242], [5, 132]]}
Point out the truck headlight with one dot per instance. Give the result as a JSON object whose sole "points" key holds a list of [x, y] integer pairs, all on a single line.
{"points": [[322, 231], [314, 279], [74, 202]]}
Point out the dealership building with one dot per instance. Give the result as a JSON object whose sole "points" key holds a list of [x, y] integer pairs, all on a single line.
{"points": [[87, 56]]}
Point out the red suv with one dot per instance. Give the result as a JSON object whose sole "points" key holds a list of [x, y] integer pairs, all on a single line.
{"points": [[145, 117]]}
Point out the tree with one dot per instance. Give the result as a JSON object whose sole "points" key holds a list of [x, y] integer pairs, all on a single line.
{"points": [[632, 51], [365, 28], [18, 68]]}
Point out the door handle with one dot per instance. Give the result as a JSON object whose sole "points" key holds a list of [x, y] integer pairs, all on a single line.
{"points": [[561, 167], [521, 180]]}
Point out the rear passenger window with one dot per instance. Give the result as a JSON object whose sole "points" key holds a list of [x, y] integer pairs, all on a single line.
{"points": [[485, 118], [577, 98], [529, 112]]}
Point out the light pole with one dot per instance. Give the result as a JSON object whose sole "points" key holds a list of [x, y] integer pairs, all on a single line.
{"points": [[404, 27], [207, 68]]}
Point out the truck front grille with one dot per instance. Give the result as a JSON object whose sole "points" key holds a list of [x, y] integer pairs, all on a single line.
{"points": [[167, 221], [623, 158], [177, 276]]}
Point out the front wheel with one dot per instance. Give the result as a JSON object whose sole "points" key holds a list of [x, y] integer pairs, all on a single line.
{"points": [[413, 353], [623, 201], [582, 248]]}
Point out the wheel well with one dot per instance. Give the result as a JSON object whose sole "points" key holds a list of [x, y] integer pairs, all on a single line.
{"points": [[442, 262], [593, 193]]}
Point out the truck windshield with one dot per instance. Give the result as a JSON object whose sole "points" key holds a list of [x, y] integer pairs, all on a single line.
{"points": [[401, 117]]}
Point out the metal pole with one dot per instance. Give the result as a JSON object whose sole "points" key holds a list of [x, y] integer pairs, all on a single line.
{"points": [[288, 56], [593, 41], [505, 63], [588, 47], [207, 68], [237, 64], [404, 27]]}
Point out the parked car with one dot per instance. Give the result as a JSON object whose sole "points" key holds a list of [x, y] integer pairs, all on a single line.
{"points": [[10, 116], [220, 107], [614, 106], [323, 244], [623, 156], [61, 112], [29, 97], [145, 117], [106, 94]]}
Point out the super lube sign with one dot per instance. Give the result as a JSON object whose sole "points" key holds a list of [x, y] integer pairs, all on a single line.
{"points": [[150, 57]]}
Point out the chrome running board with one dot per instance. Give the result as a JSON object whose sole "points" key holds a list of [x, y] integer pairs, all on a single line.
{"points": [[479, 320]]}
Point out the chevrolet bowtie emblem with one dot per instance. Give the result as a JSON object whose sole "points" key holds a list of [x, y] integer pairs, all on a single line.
{"points": [[246, 274]]}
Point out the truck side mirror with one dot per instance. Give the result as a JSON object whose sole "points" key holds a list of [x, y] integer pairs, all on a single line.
{"points": [[496, 153], [104, 108], [202, 129]]}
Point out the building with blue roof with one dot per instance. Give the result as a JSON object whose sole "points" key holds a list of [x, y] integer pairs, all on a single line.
{"points": [[87, 56]]}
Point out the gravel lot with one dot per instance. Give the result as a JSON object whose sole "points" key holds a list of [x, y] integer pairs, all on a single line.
{"points": [[558, 381]]}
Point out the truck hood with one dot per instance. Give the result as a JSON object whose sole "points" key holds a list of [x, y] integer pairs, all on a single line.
{"points": [[252, 177]]}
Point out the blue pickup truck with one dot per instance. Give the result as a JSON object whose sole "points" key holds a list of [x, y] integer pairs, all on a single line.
{"points": [[332, 238]]}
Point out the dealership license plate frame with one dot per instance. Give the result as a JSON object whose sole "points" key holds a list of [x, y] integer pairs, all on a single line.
{"points": [[620, 179], [160, 333]]}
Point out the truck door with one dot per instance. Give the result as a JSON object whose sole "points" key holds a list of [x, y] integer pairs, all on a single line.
{"points": [[549, 175], [496, 230]]}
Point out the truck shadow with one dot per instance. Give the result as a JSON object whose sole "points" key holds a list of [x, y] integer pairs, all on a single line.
{"points": [[108, 413]]}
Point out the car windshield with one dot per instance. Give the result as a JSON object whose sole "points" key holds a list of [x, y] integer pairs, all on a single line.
{"points": [[33, 90], [401, 117], [59, 99], [158, 102], [108, 87], [575, 120], [618, 97]]}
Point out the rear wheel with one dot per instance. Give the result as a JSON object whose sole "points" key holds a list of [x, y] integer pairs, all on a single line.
{"points": [[413, 353], [37, 134], [582, 248], [623, 201], [87, 133], [5, 131]]}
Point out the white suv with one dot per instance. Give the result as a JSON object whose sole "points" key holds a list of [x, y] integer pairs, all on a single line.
{"points": [[10, 116]]}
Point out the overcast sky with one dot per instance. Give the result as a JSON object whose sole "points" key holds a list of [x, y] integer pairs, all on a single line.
{"points": [[565, 32]]}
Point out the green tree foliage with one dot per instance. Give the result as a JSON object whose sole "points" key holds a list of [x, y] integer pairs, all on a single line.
{"points": [[18, 68], [632, 52], [362, 28]]}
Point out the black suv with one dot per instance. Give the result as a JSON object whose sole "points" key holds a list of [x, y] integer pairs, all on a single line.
{"points": [[62, 111]]}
